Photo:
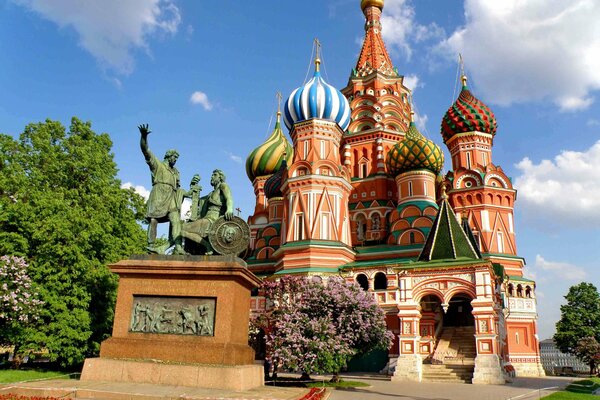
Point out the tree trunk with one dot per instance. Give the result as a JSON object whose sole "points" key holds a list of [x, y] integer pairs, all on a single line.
{"points": [[305, 377], [335, 378]]}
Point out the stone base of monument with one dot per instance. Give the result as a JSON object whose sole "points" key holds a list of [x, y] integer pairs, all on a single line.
{"points": [[180, 320], [225, 377]]}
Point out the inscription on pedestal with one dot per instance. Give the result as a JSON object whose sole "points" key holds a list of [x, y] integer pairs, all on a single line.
{"points": [[173, 315]]}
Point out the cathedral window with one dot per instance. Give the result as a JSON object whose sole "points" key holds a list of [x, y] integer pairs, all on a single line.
{"points": [[322, 149], [528, 291], [410, 189], [364, 170], [468, 155], [305, 149], [500, 236], [484, 158], [411, 238], [363, 281], [511, 290], [519, 291], [380, 281], [299, 227], [325, 226]]}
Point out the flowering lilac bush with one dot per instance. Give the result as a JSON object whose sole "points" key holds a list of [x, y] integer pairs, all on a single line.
{"points": [[19, 303], [316, 328]]}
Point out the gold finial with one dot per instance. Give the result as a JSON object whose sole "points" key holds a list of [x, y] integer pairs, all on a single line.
{"points": [[371, 3], [463, 76], [444, 195], [412, 116], [317, 59], [278, 95]]}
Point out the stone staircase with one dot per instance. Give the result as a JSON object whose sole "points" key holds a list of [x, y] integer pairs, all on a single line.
{"points": [[454, 357]]}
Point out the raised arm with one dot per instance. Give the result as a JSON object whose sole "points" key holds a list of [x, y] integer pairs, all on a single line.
{"points": [[144, 132]]}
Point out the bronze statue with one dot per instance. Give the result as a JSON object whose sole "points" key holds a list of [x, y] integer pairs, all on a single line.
{"points": [[164, 203], [218, 203]]}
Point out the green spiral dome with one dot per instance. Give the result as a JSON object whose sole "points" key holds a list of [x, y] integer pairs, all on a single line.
{"points": [[267, 158]]}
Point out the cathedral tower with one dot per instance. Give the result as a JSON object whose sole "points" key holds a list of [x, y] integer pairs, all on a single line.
{"points": [[479, 190], [315, 229], [380, 111]]}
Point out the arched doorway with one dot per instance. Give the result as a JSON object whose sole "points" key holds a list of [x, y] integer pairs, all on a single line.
{"points": [[431, 316], [460, 311]]}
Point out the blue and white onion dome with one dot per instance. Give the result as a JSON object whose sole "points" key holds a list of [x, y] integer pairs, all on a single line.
{"points": [[317, 99]]}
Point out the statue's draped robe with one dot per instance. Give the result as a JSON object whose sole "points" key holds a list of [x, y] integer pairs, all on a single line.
{"points": [[165, 189]]}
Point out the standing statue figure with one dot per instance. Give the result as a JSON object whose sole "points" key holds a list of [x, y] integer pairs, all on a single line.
{"points": [[217, 203], [164, 203]]}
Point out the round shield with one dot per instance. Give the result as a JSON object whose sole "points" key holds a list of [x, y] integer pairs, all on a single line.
{"points": [[229, 237]]}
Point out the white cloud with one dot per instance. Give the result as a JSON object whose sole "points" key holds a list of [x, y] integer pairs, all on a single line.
{"points": [[202, 99], [400, 30], [560, 269], [421, 121], [593, 122], [141, 190], [234, 157], [520, 51], [565, 190], [111, 29], [412, 82]]}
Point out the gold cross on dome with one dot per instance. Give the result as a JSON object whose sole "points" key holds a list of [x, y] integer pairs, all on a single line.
{"points": [[279, 97]]}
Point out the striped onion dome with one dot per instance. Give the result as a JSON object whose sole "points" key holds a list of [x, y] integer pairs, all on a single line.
{"points": [[414, 152], [468, 114], [267, 158], [317, 99], [273, 184]]}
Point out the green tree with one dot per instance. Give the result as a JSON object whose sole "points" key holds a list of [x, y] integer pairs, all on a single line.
{"points": [[588, 351], [579, 318], [63, 209]]}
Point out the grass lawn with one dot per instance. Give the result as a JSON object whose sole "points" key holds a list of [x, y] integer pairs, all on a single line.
{"points": [[13, 375], [297, 382], [580, 390]]}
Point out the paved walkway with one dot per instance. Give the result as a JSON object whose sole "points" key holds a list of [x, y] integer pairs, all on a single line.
{"points": [[382, 388], [76, 389]]}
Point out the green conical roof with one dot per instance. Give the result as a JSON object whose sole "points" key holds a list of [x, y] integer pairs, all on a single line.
{"points": [[447, 240]]}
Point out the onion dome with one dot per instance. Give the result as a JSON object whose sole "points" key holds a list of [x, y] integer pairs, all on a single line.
{"points": [[273, 184], [268, 157], [317, 99], [371, 3], [468, 114], [414, 152]]}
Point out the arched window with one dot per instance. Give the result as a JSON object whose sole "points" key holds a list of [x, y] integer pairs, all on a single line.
{"points": [[380, 281], [527, 291], [519, 291], [363, 281], [511, 289]]}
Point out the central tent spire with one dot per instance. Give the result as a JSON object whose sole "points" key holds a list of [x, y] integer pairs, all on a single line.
{"points": [[373, 55]]}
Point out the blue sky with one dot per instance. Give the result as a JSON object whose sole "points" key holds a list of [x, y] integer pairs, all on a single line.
{"points": [[204, 75]]}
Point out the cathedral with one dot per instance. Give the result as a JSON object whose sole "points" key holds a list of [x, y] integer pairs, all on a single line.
{"points": [[359, 193]]}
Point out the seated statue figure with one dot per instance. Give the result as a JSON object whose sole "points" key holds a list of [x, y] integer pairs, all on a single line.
{"points": [[205, 211]]}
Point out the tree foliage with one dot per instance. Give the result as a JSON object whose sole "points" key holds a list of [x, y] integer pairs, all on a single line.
{"points": [[588, 351], [580, 317], [62, 208], [316, 328]]}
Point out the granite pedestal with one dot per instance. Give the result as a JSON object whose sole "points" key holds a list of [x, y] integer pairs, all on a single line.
{"points": [[173, 347]]}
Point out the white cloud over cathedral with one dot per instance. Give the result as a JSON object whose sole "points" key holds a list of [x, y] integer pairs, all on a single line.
{"points": [[520, 51], [111, 30], [564, 190]]}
